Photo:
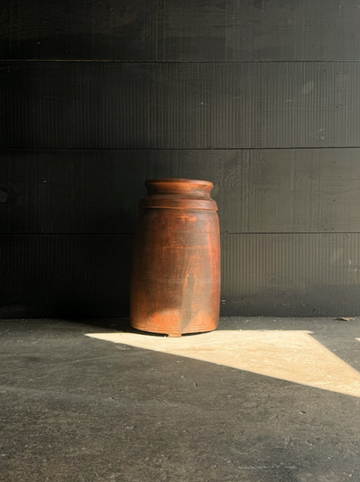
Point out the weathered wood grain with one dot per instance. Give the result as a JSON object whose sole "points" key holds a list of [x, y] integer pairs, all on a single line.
{"points": [[220, 30], [97, 191], [165, 106], [291, 274]]}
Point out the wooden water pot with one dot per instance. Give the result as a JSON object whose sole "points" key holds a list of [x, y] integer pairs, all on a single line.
{"points": [[175, 279]]}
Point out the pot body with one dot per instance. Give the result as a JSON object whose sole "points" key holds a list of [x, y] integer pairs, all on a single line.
{"points": [[175, 278]]}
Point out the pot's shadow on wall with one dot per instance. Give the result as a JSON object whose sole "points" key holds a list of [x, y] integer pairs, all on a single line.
{"points": [[69, 254], [99, 281], [65, 275]]}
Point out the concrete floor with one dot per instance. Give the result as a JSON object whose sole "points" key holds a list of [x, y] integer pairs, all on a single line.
{"points": [[258, 400]]}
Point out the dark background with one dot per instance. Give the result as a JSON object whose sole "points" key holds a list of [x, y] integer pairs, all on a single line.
{"points": [[261, 97]]}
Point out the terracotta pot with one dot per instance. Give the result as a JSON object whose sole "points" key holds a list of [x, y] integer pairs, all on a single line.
{"points": [[175, 279]]}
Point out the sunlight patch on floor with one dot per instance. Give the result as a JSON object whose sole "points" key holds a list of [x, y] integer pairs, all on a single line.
{"points": [[294, 356]]}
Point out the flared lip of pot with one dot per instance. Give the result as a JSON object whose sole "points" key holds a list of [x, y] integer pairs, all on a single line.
{"points": [[175, 193], [176, 180]]}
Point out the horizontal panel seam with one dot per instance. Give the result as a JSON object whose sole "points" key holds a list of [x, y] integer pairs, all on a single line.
{"points": [[118, 61], [40, 149], [222, 233]]}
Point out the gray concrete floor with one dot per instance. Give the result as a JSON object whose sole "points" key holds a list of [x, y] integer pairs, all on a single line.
{"points": [[259, 400]]}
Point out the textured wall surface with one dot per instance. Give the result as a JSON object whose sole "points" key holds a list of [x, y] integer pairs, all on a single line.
{"points": [[261, 97]]}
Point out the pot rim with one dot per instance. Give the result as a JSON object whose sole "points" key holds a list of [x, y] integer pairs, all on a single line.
{"points": [[169, 179]]}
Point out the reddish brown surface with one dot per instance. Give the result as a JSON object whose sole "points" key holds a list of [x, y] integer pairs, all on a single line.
{"points": [[175, 281]]}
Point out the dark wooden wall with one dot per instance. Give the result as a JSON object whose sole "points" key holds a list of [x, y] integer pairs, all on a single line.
{"points": [[262, 97]]}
